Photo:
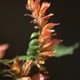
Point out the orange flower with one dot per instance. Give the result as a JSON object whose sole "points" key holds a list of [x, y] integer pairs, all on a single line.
{"points": [[17, 65], [27, 68], [45, 36], [50, 26], [47, 42], [20, 68], [50, 45], [44, 7], [32, 5], [38, 11], [47, 54]]}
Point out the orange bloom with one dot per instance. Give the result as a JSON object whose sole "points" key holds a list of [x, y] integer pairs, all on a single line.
{"points": [[38, 11], [47, 42], [20, 68]]}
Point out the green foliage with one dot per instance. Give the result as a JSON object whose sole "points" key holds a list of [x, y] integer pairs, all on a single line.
{"points": [[34, 34], [6, 61], [23, 57], [33, 42], [33, 50], [62, 50]]}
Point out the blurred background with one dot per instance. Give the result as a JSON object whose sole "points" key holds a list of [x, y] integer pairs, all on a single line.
{"points": [[15, 29]]}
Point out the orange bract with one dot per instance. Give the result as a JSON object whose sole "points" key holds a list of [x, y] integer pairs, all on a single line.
{"points": [[20, 68]]}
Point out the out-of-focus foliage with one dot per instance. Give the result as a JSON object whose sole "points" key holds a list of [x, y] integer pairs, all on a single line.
{"points": [[62, 50]]}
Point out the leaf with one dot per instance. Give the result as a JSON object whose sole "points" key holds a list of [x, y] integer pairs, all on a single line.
{"points": [[6, 61], [34, 47], [62, 50], [35, 34], [33, 53], [23, 57], [31, 57], [33, 42]]}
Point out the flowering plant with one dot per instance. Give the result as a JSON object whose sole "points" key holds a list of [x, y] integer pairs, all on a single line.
{"points": [[41, 47]]}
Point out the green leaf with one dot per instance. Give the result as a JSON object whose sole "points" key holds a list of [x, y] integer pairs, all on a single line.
{"points": [[34, 34], [31, 57], [23, 57], [34, 52], [6, 61], [33, 42], [35, 47], [62, 50]]}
